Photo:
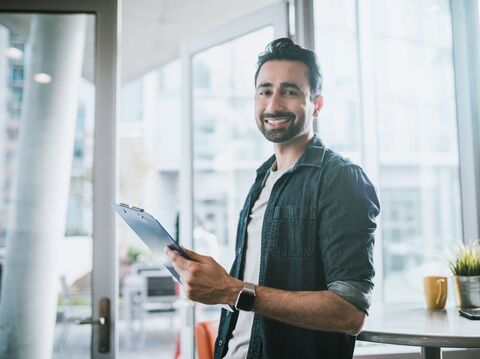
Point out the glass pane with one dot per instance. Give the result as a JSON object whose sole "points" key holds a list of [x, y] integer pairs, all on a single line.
{"points": [[419, 168], [228, 147], [149, 148], [46, 162], [336, 47], [412, 83]]}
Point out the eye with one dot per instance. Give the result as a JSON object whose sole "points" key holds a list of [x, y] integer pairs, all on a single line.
{"points": [[264, 92], [288, 92]]}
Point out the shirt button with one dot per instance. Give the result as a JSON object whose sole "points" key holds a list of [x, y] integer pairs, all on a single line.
{"points": [[239, 250], [220, 343]]}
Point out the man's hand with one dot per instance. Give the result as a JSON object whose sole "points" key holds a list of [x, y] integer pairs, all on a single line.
{"points": [[203, 279]]}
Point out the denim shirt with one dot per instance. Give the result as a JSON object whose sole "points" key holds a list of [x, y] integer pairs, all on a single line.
{"points": [[317, 235]]}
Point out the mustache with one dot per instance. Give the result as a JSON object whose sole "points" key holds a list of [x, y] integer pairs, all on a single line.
{"points": [[288, 115]]}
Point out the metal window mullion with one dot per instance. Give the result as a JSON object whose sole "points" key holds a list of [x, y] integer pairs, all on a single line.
{"points": [[105, 249], [465, 35], [186, 193], [304, 28]]}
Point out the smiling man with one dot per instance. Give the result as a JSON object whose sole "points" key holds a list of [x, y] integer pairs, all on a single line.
{"points": [[303, 273]]}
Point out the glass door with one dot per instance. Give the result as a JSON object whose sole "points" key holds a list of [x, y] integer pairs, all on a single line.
{"points": [[57, 244], [226, 146], [46, 205]]}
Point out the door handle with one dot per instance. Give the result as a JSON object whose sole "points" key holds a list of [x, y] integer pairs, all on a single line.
{"points": [[103, 323], [99, 321]]}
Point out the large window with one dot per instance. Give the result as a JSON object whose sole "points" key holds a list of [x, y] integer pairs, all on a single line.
{"points": [[390, 106]]}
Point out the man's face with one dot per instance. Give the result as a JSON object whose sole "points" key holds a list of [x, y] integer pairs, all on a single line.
{"points": [[283, 109]]}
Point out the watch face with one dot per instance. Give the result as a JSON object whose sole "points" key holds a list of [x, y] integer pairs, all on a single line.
{"points": [[245, 301]]}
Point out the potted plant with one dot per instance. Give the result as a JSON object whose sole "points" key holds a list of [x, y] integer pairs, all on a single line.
{"points": [[465, 267]]}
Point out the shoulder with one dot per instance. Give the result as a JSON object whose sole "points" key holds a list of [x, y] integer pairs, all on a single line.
{"points": [[335, 165], [334, 160], [343, 178]]}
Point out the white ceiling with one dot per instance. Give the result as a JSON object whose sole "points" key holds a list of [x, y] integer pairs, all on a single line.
{"points": [[152, 31]]}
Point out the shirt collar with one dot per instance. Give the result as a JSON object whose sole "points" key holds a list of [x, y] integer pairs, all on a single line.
{"points": [[313, 156]]}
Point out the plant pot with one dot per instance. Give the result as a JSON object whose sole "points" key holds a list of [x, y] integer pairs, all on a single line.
{"points": [[467, 291]]}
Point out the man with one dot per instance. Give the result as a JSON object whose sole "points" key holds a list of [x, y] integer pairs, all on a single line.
{"points": [[303, 272]]}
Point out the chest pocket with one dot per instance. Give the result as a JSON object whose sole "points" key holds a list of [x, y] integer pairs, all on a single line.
{"points": [[293, 231]]}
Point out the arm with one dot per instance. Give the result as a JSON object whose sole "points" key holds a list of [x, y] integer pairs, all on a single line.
{"points": [[205, 281], [320, 310]]}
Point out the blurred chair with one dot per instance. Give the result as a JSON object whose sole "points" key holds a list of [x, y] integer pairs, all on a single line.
{"points": [[205, 335]]}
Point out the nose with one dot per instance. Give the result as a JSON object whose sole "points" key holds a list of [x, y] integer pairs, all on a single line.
{"points": [[275, 103]]}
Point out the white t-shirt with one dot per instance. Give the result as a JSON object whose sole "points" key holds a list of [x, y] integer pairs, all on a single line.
{"points": [[238, 344]]}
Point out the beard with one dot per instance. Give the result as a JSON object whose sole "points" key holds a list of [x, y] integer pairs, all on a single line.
{"points": [[283, 134]]}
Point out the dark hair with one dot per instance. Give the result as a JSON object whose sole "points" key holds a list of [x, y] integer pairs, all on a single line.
{"points": [[286, 49]]}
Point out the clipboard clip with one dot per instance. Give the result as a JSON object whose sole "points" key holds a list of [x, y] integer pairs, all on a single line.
{"points": [[132, 207]]}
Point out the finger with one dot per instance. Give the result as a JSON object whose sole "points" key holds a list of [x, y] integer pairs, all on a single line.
{"points": [[176, 258], [194, 255], [168, 252]]}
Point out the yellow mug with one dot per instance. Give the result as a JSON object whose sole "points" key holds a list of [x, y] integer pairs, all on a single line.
{"points": [[435, 289]]}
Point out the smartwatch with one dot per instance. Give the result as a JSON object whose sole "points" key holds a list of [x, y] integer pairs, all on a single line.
{"points": [[246, 297]]}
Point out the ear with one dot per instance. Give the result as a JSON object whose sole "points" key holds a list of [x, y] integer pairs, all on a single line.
{"points": [[317, 105]]}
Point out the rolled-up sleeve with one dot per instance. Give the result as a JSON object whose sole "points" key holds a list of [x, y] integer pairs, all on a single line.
{"points": [[346, 234]]}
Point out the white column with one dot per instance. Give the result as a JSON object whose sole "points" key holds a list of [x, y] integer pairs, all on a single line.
{"points": [[29, 293]]}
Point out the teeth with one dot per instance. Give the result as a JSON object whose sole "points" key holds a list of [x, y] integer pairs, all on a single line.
{"points": [[277, 120]]}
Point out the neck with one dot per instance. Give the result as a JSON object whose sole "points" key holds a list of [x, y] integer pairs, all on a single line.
{"points": [[288, 152]]}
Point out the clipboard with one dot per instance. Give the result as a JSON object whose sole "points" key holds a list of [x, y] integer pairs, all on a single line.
{"points": [[153, 234], [150, 231]]}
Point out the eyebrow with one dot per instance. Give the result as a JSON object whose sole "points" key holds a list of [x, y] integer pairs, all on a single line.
{"points": [[283, 85]]}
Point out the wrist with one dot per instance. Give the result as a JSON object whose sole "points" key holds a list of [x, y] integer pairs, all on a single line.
{"points": [[235, 288], [246, 297]]}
